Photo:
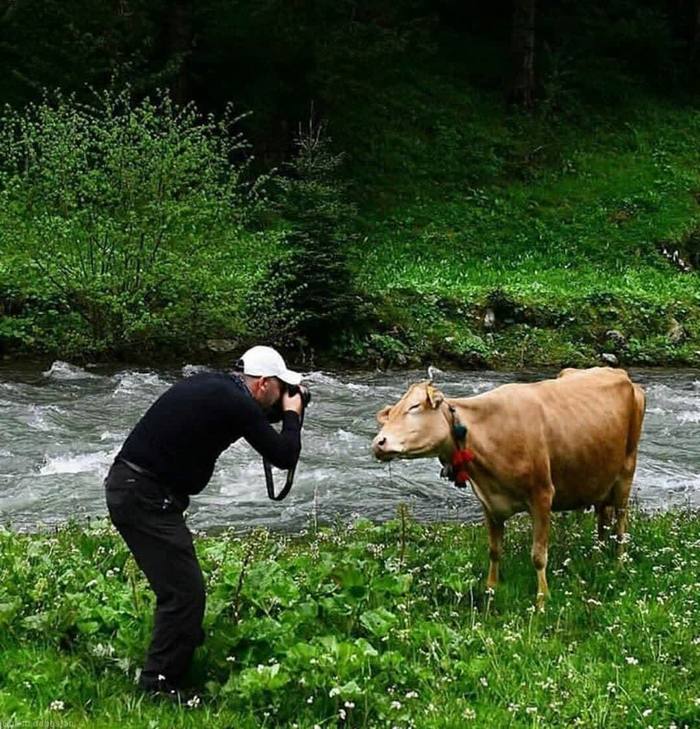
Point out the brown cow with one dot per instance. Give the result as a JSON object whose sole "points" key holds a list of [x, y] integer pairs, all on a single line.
{"points": [[554, 445]]}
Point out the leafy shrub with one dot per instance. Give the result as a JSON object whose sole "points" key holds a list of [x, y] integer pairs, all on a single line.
{"points": [[111, 208]]}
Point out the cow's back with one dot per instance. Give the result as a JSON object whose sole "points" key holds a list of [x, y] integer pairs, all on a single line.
{"points": [[579, 431], [593, 424]]}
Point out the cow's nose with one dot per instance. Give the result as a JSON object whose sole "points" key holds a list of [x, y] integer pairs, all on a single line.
{"points": [[378, 443]]}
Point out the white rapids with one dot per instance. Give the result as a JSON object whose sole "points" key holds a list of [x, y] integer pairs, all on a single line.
{"points": [[62, 427]]}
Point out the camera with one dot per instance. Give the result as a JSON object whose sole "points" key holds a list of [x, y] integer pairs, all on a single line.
{"points": [[274, 414], [301, 390]]}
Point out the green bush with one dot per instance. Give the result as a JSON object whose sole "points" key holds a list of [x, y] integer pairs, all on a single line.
{"points": [[129, 215]]}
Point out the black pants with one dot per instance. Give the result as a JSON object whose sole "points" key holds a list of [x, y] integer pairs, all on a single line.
{"points": [[150, 521]]}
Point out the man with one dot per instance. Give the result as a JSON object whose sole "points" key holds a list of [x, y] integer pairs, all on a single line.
{"points": [[169, 455]]}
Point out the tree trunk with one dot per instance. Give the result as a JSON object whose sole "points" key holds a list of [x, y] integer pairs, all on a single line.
{"points": [[180, 37], [695, 44], [522, 87]]}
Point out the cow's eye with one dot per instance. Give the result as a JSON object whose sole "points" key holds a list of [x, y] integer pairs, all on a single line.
{"points": [[414, 407]]}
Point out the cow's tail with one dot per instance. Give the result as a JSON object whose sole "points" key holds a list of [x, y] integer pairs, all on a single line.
{"points": [[635, 430]]}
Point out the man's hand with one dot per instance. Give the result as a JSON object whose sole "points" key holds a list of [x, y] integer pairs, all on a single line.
{"points": [[292, 402]]}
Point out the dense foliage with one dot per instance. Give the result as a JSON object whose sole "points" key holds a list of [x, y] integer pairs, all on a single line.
{"points": [[104, 202], [308, 294], [365, 626]]}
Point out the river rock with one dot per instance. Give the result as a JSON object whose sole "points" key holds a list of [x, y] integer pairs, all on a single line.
{"points": [[221, 346], [489, 319], [610, 359], [616, 337]]}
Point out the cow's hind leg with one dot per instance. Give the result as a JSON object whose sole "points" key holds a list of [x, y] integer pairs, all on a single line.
{"points": [[541, 510], [623, 485], [605, 516], [495, 527], [621, 495]]}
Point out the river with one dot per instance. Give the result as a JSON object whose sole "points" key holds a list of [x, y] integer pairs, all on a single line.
{"points": [[62, 426]]}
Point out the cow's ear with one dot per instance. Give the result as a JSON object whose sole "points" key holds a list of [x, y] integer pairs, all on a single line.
{"points": [[435, 397], [383, 415]]}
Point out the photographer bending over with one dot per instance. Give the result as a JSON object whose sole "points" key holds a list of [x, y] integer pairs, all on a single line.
{"points": [[170, 454]]}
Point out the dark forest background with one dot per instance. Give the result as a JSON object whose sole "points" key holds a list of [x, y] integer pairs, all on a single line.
{"points": [[276, 58]]}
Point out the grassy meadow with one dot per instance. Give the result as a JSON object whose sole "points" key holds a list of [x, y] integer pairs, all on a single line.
{"points": [[554, 222], [365, 626]]}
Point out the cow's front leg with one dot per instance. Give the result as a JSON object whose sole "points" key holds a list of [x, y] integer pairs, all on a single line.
{"points": [[495, 527], [541, 510]]}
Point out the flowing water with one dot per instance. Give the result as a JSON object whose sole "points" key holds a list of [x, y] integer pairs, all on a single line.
{"points": [[61, 428]]}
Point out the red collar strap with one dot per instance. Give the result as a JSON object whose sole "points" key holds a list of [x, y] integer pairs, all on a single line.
{"points": [[462, 456]]}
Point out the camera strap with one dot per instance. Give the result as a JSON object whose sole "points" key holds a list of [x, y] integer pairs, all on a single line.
{"points": [[269, 480], [270, 483]]}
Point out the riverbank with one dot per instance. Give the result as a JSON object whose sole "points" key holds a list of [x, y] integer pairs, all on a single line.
{"points": [[365, 625], [456, 231]]}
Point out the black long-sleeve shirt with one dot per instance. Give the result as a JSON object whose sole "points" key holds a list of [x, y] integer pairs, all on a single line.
{"points": [[188, 426]]}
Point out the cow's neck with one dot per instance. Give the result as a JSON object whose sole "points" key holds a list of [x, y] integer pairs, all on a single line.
{"points": [[460, 412]]}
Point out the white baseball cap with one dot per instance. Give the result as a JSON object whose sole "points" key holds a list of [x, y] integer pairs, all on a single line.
{"points": [[267, 362]]}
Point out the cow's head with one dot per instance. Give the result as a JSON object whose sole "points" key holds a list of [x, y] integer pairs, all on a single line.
{"points": [[416, 427]]}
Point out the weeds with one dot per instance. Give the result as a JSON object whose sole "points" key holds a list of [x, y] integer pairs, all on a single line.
{"points": [[366, 626]]}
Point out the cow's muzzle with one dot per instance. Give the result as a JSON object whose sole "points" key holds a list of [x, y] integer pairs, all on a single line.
{"points": [[382, 449]]}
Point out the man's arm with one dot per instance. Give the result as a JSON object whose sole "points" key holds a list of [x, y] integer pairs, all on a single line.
{"points": [[281, 449]]}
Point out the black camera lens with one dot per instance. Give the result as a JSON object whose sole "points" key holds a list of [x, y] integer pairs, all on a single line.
{"points": [[301, 390]]}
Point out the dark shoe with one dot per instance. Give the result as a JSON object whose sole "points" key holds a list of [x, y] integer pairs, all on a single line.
{"points": [[157, 687]]}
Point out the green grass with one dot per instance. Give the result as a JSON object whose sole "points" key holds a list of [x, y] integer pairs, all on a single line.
{"points": [[552, 238], [387, 624], [462, 198]]}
